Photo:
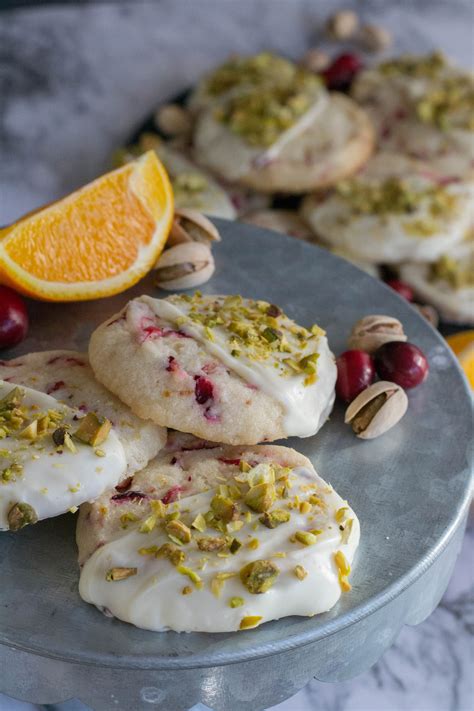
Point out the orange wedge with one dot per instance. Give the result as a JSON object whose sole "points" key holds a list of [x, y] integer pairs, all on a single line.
{"points": [[95, 242], [463, 346]]}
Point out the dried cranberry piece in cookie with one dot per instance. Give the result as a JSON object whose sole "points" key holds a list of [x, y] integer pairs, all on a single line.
{"points": [[203, 389]]}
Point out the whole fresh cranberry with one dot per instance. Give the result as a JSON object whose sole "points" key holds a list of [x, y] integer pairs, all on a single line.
{"points": [[355, 372], [401, 288], [341, 72], [401, 363], [13, 318]]}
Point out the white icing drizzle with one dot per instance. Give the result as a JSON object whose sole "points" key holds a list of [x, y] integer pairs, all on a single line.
{"points": [[50, 482], [306, 408], [153, 599]]}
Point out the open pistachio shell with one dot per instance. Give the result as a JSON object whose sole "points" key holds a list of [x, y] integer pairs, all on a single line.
{"points": [[192, 226], [184, 266], [376, 409], [371, 332]]}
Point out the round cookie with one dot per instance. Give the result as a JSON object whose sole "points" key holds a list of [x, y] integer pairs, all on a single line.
{"points": [[448, 283], [331, 144], [226, 369], [217, 540], [422, 107], [53, 457], [288, 222], [396, 209], [68, 377]]}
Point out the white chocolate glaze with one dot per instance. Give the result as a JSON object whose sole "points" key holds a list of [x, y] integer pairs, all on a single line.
{"points": [[306, 407], [49, 481], [153, 598]]}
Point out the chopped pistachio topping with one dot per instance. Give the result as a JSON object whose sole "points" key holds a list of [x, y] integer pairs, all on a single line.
{"points": [[187, 590], [259, 576], [458, 275], [260, 117], [178, 532], [306, 538], [21, 515], [272, 519], [449, 104], [187, 188], [261, 497], [114, 574], [259, 70], [192, 575], [172, 552], [300, 572], [93, 429], [236, 601], [247, 325], [224, 508], [428, 66], [199, 523], [211, 543], [250, 621], [394, 196]]}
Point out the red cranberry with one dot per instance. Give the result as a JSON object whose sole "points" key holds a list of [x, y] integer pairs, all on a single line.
{"points": [[401, 363], [341, 72], [13, 318], [355, 372], [203, 389], [401, 288]]}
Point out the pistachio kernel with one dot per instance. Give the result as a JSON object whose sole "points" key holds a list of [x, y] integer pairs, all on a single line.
{"points": [[259, 576], [260, 497], [93, 429], [172, 553], [211, 543], [272, 519], [306, 538], [224, 508], [21, 515], [300, 572], [250, 621], [178, 530], [236, 601], [114, 574]]}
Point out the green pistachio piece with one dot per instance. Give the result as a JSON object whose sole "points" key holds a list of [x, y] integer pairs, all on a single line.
{"points": [[21, 515], [259, 576], [93, 429], [115, 574], [272, 519], [211, 543], [261, 497], [224, 508], [172, 552], [178, 530]]}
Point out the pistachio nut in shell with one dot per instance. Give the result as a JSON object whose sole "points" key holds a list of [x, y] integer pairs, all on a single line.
{"points": [[376, 409], [371, 332], [184, 266], [192, 226], [173, 120]]}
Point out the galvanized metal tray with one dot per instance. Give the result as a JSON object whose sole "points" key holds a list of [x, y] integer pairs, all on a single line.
{"points": [[410, 489]]}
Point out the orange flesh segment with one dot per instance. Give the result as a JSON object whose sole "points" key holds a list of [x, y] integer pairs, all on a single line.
{"points": [[94, 234]]}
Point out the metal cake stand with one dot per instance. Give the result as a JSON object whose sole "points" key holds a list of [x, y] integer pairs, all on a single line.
{"points": [[410, 489]]}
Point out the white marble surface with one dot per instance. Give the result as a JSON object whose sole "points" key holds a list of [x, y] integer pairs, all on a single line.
{"points": [[74, 81]]}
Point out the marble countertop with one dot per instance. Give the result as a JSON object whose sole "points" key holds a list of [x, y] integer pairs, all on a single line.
{"points": [[75, 81]]}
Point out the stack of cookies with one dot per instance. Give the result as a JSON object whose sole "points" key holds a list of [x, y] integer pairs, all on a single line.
{"points": [[187, 521], [385, 171]]}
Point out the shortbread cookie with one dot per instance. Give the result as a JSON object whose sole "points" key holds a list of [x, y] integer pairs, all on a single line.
{"points": [[218, 540], [223, 368], [68, 377], [396, 209], [422, 107], [331, 141], [448, 283], [53, 457]]}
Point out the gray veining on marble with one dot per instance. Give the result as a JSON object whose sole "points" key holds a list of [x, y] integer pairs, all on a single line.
{"points": [[75, 81]]}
